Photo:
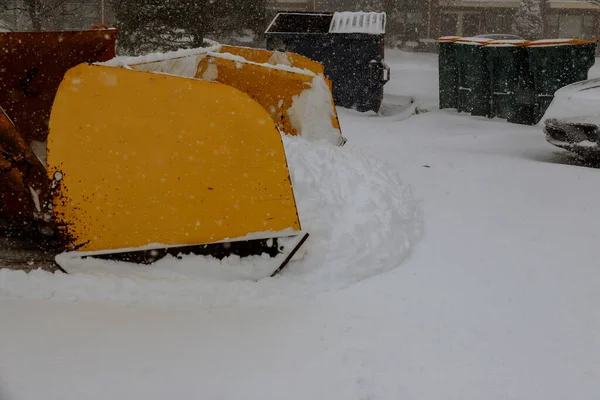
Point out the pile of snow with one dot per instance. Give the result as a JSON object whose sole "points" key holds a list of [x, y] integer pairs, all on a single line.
{"points": [[312, 113], [362, 219]]}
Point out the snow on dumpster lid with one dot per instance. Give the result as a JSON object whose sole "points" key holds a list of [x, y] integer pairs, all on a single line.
{"points": [[358, 22], [476, 41], [448, 38], [559, 42], [505, 43]]}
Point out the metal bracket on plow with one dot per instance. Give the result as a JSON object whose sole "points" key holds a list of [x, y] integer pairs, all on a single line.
{"points": [[219, 250], [291, 255]]}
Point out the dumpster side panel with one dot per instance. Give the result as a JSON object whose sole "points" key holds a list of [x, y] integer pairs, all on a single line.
{"points": [[557, 65], [363, 56], [473, 80], [524, 98], [482, 86], [502, 67], [448, 75]]}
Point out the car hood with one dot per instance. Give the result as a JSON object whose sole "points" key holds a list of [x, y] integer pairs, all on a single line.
{"points": [[578, 101]]}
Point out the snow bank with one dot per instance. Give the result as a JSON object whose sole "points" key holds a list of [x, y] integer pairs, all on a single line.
{"points": [[362, 219]]}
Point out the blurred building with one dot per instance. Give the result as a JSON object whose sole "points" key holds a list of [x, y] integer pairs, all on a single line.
{"points": [[59, 15], [564, 19], [416, 23], [410, 23]]}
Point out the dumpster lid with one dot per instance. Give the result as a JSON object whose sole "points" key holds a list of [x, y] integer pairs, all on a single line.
{"points": [[448, 38], [560, 42], [300, 22], [328, 22], [507, 43], [358, 22], [474, 40]]}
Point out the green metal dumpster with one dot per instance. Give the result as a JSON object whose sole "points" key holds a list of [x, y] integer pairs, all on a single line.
{"points": [[556, 63], [448, 72], [474, 89], [502, 60], [524, 99]]}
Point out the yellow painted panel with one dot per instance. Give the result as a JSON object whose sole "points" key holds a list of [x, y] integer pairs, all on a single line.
{"points": [[260, 56], [150, 158], [263, 56], [275, 89], [272, 88]]}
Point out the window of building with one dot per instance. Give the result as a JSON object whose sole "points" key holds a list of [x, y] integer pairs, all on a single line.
{"points": [[574, 26], [414, 17], [449, 24], [552, 25], [589, 27], [460, 23], [570, 26], [498, 23], [415, 25], [396, 23], [470, 24]]}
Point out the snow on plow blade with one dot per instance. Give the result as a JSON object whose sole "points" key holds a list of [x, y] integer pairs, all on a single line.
{"points": [[161, 164], [292, 88], [33, 65], [263, 56]]}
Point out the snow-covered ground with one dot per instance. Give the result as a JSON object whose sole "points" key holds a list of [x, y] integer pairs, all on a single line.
{"points": [[451, 257]]}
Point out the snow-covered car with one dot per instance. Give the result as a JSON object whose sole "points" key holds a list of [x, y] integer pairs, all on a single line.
{"points": [[572, 121]]}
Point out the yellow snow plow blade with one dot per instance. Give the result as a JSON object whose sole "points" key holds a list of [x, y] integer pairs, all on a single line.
{"points": [[292, 88], [298, 102], [263, 56], [140, 158]]}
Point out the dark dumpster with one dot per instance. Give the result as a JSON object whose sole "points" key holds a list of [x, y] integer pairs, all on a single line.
{"points": [[556, 63], [524, 100], [474, 90], [515, 80], [504, 62], [448, 72], [350, 45]]}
